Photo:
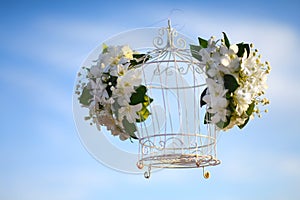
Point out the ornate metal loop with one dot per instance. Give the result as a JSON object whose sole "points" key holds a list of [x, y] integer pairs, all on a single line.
{"points": [[175, 142], [159, 41], [168, 71], [146, 148], [162, 144], [168, 39]]}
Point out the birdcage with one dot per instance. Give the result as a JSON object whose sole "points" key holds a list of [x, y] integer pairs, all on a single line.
{"points": [[175, 135], [157, 93]]}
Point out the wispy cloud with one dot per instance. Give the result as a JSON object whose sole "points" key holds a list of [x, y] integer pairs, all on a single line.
{"points": [[74, 183], [42, 91]]}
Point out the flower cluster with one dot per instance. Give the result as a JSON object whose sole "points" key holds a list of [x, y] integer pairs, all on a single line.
{"points": [[114, 92], [236, 81]]}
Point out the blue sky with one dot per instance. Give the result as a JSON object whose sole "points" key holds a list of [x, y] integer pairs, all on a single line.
{"points": [[43, 44]]}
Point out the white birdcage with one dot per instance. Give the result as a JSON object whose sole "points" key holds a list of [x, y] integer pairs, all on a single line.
{"points": [[173, 96], [174, 135]]}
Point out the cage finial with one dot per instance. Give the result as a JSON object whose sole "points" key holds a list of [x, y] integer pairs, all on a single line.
{"points": [[169, 24]]}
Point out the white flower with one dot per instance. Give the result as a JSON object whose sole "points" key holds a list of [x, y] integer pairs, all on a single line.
{"points": [[248, 65], [205, 56], [232, 50], [209, 63], [122, 70], [113, 70], [98, 89], [219, 115], [127, 52], [211, 44], [130, 111], [119, 69], [96, 71], [215, 89], [230, 62], [242, 99], [216, 101], [126, 86], [113, 56]]}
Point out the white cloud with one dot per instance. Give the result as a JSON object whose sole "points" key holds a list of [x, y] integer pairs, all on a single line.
{"points": [[40, 89], [289, 166], [261, 166], [62, 184], [62, 43], [284, 92]]}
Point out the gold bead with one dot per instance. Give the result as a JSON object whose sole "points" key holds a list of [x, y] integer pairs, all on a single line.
{"points": [[140, 165], [206, 175]]}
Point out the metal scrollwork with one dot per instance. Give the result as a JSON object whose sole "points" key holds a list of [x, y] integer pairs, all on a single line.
{"points": [[159, 41], [168, 39]]}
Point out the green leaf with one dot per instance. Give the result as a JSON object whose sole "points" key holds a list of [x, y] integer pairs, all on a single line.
{"points": [[227, 43], [207, 118], [116, 107], [141, 57], [242, 48], [230, 83], [222, 124], [249, 113], [202, 103], [85, 97], [130, 128], [104, 48], [231, 106], [138, 59], [144, 114], [195, 51], [247, 47], [138, 96], [228, 95], [250, 109], [245, 123], [203, 43]]}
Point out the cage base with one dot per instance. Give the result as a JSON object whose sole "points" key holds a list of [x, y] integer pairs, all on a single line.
{"points": [[178, 161]]}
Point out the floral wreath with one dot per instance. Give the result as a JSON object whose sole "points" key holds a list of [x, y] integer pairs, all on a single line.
{"points": [[116, 98], [236, 81], [114, 94]]}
